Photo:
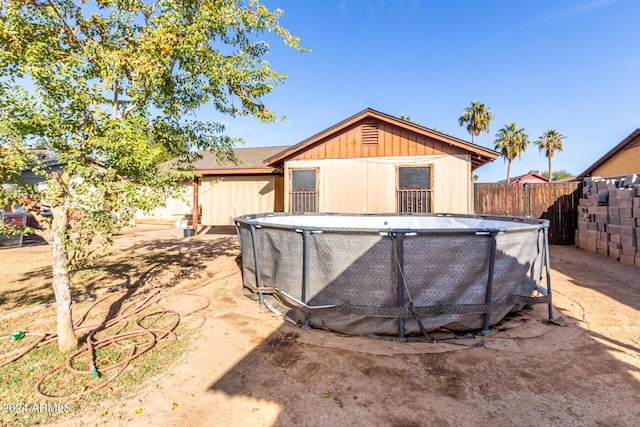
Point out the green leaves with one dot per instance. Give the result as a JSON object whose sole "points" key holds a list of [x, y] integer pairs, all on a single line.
{"points": [[511, 141], [478, 118], [550, 142], [111, 87]]}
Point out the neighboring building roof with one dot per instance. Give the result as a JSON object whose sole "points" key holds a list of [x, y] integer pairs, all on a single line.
{"points": [[253, 158], [631, 141], [532, 176], [479, 155]]}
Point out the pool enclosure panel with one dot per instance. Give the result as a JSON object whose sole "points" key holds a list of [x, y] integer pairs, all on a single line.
{"points": [[352, 275]]}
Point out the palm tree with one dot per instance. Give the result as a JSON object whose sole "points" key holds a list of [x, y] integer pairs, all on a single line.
{"points": [[511, 142], [477, 118], [550, 141]]}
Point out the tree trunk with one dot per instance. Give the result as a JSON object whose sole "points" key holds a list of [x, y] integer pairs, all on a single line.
{"points": [[67, 339], [550, 178], [509, 172]]}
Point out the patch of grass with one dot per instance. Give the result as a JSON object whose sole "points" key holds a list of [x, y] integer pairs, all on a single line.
{"points": [[18, 379]]}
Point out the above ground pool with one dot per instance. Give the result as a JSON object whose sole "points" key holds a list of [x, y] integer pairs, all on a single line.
{"points": [[394, 274]]}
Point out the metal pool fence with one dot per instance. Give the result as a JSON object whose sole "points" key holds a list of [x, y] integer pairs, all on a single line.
{"points": [[394, 275]]}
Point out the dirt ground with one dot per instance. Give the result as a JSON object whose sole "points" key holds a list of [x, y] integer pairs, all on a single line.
{"points": [[251, 368]]}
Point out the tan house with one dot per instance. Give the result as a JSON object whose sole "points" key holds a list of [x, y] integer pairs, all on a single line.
{"points": [[369, 163], [623, 159]]}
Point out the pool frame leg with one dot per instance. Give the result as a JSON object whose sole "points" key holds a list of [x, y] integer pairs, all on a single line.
{"points": [[306, 276], [400, 302], [547, 261], [488, 296], [254, 243]]}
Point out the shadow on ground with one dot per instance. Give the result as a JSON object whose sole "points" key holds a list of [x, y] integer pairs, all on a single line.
{"points": [[571, 375], [133, 261]]}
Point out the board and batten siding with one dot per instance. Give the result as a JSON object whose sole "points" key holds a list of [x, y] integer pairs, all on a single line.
{"points": [[368, 185], [624, 162], [391, 141]]}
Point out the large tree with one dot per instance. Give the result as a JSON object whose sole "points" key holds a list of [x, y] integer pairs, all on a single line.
{"points": [[110, 88], [478, 119], [511, 142], [551, 142]]}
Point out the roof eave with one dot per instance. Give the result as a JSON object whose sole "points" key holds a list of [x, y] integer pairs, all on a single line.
{"points": [[238, 171]]}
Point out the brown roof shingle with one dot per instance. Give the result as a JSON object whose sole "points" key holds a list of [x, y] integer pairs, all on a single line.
{"points": [[253, 162], [254, 158]]}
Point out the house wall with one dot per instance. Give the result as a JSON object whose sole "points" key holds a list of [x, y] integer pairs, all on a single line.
{"points": [[220, 199], [368, 185], [223, 199], [175, 210], [624, 162]]}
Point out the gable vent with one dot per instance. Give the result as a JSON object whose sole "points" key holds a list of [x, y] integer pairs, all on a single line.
{"points": [[370, 133]]}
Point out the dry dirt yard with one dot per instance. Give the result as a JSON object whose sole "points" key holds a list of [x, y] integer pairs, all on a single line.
{"points": [[249, 367]]}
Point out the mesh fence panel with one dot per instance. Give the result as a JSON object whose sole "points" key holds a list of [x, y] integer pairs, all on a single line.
{"points": [[446, 269]]}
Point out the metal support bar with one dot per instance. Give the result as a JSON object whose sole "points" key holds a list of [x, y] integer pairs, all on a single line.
{"points": [[300, 304], [542, 254], [400, 277], [492, 262], [237, 224], [306, 279], [254, 242], [548, 267]]}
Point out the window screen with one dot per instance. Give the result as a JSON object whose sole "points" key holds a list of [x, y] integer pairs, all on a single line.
{"points": [[415, 177], [303, 179]]}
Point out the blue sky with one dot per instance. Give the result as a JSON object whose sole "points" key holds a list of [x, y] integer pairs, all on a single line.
{"points": [[573, 66]]}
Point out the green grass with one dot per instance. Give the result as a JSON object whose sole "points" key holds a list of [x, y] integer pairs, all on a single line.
{"points": [[18, 379]]}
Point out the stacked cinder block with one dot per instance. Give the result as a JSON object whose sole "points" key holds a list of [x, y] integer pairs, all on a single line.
{"points": [[609, 218]]}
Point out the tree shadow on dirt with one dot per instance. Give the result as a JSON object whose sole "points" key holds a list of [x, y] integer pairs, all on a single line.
{"points": [[191, 250], [229, 230], [129, 267]]}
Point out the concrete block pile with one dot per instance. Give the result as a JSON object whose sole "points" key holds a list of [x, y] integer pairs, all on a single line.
{"points": [[609, 218]]}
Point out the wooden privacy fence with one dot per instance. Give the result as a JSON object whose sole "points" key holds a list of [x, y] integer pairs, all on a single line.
{"points": [[555, 201]]}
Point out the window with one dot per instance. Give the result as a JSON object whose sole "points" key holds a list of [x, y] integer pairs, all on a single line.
{"points": [[303, 193], [414, 189]]}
